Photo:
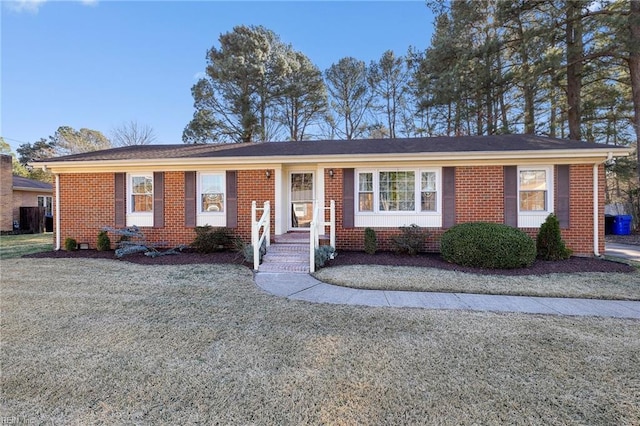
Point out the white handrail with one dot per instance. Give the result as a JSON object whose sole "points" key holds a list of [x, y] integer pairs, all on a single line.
{"points": [[314, 236], [256, 239]]}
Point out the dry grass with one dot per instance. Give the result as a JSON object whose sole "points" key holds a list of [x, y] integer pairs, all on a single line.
{"points": [[105, 342], [14, 246], [588, 285]]}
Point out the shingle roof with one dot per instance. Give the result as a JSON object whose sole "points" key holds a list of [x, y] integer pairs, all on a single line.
{"points": [[20, 182], [439, 144]]}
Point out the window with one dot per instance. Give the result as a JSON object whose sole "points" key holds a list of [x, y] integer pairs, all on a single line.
{"points": [[141, 193], [533, 190], [428, 192], [397, 191], [211, 193], [365, 192], [47, 203], [535, 195]]}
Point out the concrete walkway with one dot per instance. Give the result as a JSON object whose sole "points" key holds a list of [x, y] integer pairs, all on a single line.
{"points": [[624, 251], [305, 287]]}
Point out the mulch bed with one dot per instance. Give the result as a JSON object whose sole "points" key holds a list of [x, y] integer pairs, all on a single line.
{"points": [[431, 260], [186, 257], [428, 260]]}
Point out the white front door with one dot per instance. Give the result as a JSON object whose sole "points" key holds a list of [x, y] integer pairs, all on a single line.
{"points": [[301, 196]]}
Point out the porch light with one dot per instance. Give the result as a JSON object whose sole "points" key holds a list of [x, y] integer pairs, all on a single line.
{"points": [[267, 173], [331, 173]]}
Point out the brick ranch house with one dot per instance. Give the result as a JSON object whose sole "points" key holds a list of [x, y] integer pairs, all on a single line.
{"points": [[436, 182]]}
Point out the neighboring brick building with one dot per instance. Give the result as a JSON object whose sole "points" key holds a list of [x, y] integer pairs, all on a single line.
{"points": [[435, 183], [16, 192]]}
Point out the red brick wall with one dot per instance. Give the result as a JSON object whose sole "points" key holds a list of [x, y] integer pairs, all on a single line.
{"points": [[480, 197], [87, 205], [480, 194], [253, 185], [6, 193]]}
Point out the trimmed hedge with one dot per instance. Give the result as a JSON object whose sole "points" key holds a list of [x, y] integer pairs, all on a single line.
{"points": [[488, 245]]}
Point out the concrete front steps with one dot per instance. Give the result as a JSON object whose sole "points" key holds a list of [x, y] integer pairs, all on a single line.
{"points": [[287, 253]]}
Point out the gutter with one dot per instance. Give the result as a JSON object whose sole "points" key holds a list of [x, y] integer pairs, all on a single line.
{"points": [[31, 189], [57, 205], [490, 157]]}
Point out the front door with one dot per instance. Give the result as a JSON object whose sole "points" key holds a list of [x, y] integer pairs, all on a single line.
{"points": [[302, 196]]}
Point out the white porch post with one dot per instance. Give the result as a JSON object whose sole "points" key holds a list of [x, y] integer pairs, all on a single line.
{"points": [[280, 211]]}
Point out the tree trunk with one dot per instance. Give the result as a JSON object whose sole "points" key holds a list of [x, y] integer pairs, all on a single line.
{"points": [[634, 70], [574, 67], [527, 90], [552, 117]]}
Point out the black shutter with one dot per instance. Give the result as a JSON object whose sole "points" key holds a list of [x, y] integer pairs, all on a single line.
{"points": [[158, 199], [562, 195], [511, 195], [448, 197], [190, 199], [120, 191], [347, 198], [232, 198]]}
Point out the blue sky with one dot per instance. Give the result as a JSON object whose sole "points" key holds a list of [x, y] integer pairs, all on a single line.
{"points": [[98, 64]]}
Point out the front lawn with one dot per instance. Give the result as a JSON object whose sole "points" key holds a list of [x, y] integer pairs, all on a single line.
{"points": [[12, 246], [594, 285], [86, 341]]}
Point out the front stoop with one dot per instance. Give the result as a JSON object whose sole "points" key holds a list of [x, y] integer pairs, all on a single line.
{"points": [[288, 253]]}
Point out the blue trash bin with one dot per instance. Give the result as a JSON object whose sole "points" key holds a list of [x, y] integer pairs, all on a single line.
{"points": [[622, 225]]}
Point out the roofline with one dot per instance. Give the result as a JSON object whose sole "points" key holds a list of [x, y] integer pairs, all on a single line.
{"points": [[31, 189], [599, 154]]}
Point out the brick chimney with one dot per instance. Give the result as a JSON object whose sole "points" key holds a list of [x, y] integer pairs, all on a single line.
{"points": [[6, 193]]}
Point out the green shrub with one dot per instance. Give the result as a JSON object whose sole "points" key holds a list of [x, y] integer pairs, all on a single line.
{"points": [[488, 245], [210, 240], [370, 241], [70, 244], [549, 242], [322, 254], [246, 250], [104, 243], [410, 241]]}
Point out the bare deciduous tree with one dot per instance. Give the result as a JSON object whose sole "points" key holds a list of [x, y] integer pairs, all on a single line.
{"points": [[132, 133]]}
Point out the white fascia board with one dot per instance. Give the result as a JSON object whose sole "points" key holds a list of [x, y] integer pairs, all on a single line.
{"points": [[28, 189], [581, 156]]}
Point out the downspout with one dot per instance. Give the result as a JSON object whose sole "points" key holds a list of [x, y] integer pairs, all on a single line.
{"points": [[596, 242], [57, 212], [596, 207]]}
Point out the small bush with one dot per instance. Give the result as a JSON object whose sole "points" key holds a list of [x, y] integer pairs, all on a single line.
{"points": [[370, 241], [322, 254], [70, 244], [210, 240], [410, 241], [549, 242], [247, 250], [104, 243], [488, 245]]}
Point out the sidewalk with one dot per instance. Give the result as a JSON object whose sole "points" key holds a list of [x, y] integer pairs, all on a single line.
{"points": [[305, 287]]}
